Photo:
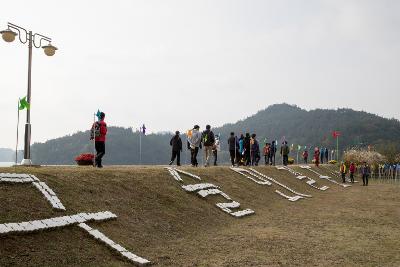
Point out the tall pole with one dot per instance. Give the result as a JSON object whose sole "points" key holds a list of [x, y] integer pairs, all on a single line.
{"points": [[140, 147], [337, 148], [16, 146], [27, 140], [94, 139]]}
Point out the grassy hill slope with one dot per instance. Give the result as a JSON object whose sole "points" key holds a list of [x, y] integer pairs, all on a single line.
{"points": [[357, 226]]}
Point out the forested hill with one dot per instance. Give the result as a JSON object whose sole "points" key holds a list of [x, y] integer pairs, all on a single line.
{"points": [[300, 127], [315, 127]]}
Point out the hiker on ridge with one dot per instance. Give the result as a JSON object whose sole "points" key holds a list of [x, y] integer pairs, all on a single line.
{"points": [[176, 144], [305, 156], [365, 171], [285, 150], [322, 154], [266, 152], [316, 156], [216, 148], [208, 140], [255, 150], [99, 132], [272, 153], [247, 151], [241, 148], [194, 143], [233, 147], [326, 155], [343, 172], [352, 170]]}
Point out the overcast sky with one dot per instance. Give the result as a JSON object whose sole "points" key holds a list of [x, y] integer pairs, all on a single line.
{"points": [[171, 64]]}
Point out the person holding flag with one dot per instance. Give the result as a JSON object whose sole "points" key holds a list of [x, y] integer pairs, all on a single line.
{"points": [[98, 134]]}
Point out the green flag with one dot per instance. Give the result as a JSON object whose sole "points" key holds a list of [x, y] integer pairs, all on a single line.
{"points": [[23, 104], [299, 147]]}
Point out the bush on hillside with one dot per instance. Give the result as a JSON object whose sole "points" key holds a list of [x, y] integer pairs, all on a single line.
{"points": [[290, 160]]}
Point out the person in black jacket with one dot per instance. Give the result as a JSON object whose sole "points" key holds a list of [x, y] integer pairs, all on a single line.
{"points": [[208, 140], [233, 147], [176, 144], [246, 144]]}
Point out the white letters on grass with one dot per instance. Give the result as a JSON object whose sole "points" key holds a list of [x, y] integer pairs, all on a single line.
{"points": [[323, 176], [79, 219], [206, 189], [263, 179], [41, 186], [310, 182]]}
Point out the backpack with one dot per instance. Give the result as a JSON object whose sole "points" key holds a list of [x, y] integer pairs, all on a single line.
{"points": [[95, 131], [208, 138]]}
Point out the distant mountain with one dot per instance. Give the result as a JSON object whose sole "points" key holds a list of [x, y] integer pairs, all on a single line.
{"points": [[7, 155], [298, 126], [315, 127]]}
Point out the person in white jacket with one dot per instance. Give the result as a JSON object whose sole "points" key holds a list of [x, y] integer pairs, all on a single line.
{"points": [[216, 148], [194, 143]]}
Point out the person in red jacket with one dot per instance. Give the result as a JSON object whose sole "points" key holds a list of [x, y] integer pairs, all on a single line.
{"points": [[99, 132], [352, 171], [316, 156]]}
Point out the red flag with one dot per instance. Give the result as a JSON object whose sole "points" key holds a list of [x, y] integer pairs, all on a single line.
{"points": [[336, 134]]}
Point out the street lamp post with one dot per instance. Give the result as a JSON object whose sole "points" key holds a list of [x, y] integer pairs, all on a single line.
{"points": [[35, 40]]}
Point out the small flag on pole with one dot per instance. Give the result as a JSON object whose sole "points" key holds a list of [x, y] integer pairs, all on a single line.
{"points": [[143, 129], [336, 134], [299, 147], [23, 104], [98, 114]]}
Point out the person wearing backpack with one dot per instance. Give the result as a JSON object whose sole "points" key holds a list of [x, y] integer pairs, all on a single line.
{"points": [[305, 156], [216, 147], [352, 170], [194, 144], [208, 141], [266, 152], [99, 132], [233, 147], [176, 143], [343, 172], [285, 150]]}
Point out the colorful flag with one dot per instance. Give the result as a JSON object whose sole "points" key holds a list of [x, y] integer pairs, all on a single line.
{"points": [[143, 129], [23, 104], [299, 147], [98, 114], [336, 134]]}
